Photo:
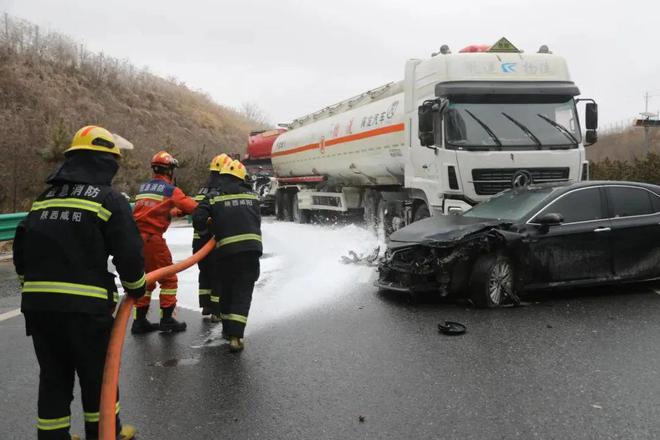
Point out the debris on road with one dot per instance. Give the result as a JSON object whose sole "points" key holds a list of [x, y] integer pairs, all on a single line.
{"points": [[372, 259], [451, 328]]}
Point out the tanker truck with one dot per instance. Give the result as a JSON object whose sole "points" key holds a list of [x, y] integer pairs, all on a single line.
{"points": [[458, 129], [259, 167]]}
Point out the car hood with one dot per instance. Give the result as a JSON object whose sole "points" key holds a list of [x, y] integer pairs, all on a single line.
{"points": [[440, 229]]}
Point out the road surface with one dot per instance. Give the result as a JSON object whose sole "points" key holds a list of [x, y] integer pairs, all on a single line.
{"points": [[329, 357]]}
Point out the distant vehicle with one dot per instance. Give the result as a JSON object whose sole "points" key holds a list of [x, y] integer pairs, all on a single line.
{"points": [[535, 237], [458, 129], [259, 166]]}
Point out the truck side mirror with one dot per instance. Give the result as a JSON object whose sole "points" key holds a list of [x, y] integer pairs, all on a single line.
{"points": [[591, 116], [591, 137], [427, 113]]}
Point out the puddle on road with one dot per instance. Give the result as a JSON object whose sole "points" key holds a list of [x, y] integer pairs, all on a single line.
{"points": [[175, 362]]}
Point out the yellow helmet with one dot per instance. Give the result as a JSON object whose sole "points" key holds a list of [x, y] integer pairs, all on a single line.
{"points": [[94, 138], [235, 168], [219, 161]]}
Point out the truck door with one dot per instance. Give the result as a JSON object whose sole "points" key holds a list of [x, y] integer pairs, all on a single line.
{"points": [[424, 160]]}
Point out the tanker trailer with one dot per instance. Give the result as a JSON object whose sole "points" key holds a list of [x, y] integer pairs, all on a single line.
{"points": [[259, 166], [457, 130]]}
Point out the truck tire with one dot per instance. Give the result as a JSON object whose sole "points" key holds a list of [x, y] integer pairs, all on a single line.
{"points": [[491, 280], [287, 206], [279, 205], [385, 218], [299, 215], [370, 215], [421, 211]]}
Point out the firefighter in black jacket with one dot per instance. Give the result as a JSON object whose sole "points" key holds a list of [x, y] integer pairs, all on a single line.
{"points": [[236, 226], [207, 298], [61, 254]]}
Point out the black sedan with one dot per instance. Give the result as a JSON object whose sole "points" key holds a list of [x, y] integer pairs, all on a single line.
{"points": [[537, 237]]}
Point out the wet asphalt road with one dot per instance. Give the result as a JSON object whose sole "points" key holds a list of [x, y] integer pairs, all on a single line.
{"points": [[575, 366]]}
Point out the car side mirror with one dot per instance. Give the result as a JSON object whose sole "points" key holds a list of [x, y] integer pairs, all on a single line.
{"points": [[550, 219], [428, 114]]}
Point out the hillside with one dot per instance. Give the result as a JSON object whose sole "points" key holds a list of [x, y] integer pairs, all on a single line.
{"points": [[624, 145], [50, 86]]}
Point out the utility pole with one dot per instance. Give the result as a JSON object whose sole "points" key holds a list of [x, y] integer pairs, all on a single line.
{"points": [[650, 120]]}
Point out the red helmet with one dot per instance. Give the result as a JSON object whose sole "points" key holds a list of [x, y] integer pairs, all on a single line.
{"points": [[164, 159]]}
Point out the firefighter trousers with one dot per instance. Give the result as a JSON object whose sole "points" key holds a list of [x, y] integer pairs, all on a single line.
{"points": [[157, 255], [66, 344], [235, 276], [207, 297]]}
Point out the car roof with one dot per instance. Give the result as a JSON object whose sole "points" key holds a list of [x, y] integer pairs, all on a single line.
{"points": [[568, 186]]}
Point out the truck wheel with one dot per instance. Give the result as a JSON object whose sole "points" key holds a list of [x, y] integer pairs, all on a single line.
{"points": [[299, 215], [279, 205], [371, 199], [287, 206], [385, 219], [421, 212], [491, 281]]}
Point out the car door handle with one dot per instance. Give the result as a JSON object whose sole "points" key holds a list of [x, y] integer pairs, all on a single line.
{"points": [[602, 229]]}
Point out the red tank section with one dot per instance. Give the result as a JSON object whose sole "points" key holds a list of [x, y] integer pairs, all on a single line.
{"points": [[475, 48], [260, 143]]}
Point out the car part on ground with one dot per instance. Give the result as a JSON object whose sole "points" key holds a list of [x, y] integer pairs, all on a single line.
{"points": [[451, 328]]}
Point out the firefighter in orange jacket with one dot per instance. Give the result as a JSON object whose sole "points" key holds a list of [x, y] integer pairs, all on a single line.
{"points": [[156, 202]]}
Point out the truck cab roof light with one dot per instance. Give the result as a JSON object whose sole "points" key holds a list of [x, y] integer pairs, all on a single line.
{"points": [[544, 49]]}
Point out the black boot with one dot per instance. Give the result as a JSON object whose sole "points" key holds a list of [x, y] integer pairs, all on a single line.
{"points": [[141, 324], [168, 323]]}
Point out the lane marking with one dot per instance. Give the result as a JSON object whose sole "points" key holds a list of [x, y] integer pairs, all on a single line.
{"points": [[10, 314]]}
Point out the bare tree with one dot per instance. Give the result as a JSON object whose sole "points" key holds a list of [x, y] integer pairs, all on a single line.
{"points": [[252, 112]]}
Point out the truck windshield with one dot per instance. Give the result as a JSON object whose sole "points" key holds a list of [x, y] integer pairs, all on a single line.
{"points": [[511, 205], [511, 125]]}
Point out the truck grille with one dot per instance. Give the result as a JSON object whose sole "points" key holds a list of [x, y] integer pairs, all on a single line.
{"points": [[489, 181]]}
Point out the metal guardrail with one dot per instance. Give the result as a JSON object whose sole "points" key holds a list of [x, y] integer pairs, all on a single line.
{"points": [[9, 223]]}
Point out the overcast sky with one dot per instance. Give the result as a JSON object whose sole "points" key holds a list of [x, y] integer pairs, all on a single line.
{"points": [[292, 57]]}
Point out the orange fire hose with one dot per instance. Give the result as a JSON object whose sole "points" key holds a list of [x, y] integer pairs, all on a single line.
{"points": [[107, 421]]}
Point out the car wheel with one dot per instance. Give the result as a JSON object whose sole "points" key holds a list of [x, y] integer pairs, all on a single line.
{"points": [[491, 281]]}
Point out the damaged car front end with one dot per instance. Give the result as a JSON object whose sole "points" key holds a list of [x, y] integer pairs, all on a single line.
{"points": [[440, 261]]}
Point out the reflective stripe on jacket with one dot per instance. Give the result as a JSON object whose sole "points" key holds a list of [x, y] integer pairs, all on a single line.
{"points": [[62, 247]]}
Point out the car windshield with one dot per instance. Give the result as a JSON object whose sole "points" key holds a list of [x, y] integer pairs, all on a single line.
{"points": [[512, 125], [511, 205]]}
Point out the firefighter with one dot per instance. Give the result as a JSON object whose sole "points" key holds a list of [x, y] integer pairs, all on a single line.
{"points": [[155, 204], [236, 226], [61, 254], [201, 236]]}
